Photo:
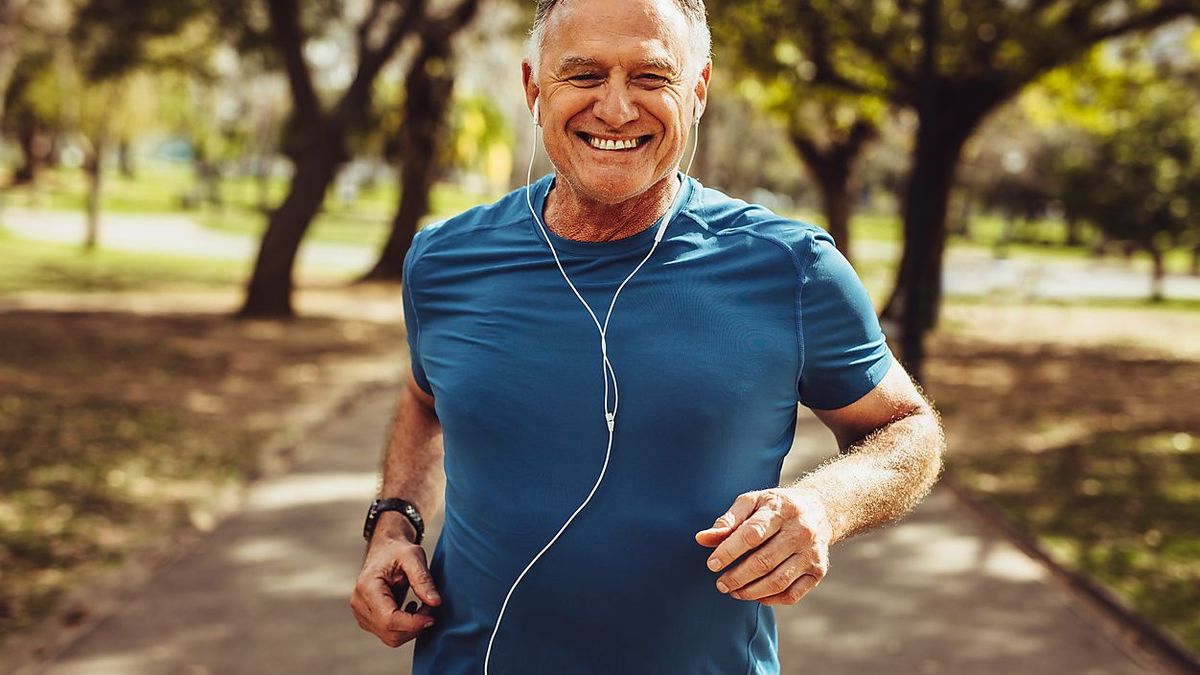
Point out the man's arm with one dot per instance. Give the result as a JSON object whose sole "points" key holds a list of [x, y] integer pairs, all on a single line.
{"points": [[412, 470], [891, 454]]}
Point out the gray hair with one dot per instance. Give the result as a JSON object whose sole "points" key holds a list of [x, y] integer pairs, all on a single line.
{"points": [[693, 10]]}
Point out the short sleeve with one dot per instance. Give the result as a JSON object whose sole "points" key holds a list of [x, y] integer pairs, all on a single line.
{"points": [[412, 319], [845, 354]]}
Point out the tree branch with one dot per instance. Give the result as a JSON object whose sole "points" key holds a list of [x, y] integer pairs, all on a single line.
{"points": [[372, 61], [289, 37], [1164, 13]]}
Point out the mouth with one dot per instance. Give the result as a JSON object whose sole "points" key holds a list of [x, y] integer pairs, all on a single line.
{"points": [[624, 144]]}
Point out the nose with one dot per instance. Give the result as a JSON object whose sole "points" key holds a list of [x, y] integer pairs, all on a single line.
{"points": [[615, 107]]}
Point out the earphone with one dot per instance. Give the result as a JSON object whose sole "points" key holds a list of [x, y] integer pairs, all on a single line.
{"points": [[610, 416]]}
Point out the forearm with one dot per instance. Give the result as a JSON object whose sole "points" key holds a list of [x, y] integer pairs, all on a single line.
{"points": [[412, 464], [879, 478]]}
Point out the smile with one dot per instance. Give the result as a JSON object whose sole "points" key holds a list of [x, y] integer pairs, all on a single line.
{"points": [[614, 143]]}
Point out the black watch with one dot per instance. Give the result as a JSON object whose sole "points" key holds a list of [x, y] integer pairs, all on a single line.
{"points": [[380, 505]]}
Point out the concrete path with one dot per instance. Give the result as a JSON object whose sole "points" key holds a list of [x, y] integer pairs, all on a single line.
{"points": [[973, 272], [170, 233], [267, 592]]}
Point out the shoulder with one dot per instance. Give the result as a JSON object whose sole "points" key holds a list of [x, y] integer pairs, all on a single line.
{"points": [[723, 216], [507, 211]]}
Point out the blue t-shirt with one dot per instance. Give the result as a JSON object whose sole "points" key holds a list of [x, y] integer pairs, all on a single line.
{"points": [[737, 316]]}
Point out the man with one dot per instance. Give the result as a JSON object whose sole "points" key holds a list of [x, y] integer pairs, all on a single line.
{"points": [[690, 381]]}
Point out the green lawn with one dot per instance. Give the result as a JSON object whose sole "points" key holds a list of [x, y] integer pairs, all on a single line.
{"points": [[29, 265], [162, 187]]}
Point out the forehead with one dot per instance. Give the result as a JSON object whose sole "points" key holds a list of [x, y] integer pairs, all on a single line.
{"points": [[607, 31]]}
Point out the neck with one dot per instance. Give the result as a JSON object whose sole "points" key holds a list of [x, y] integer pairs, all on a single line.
{"points": [[573, 216]]}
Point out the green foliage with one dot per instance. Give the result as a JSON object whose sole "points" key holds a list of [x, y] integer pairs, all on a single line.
{"points": [[111, 38], [1129, 160]]}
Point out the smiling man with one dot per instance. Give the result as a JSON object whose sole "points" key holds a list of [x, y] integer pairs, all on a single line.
{"points": [[607, 360]]}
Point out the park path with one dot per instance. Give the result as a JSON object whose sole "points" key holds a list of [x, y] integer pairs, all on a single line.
{"points": [[267, 591], [170, 233], [968, 271]]}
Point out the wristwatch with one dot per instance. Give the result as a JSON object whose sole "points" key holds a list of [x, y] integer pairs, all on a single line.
{"points": [[380, 505]]}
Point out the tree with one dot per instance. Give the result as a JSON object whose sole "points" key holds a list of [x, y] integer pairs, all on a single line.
{"points": [[828, 127], [954, 62], [11, 28], [322, 133], [1133, 168], [429, 85]]}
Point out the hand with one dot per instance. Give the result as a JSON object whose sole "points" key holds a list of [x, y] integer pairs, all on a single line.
{"points": [[785, 535], [391, 565]]}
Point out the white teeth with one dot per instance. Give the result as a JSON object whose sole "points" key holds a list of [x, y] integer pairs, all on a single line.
{"points": [[608, 144]]}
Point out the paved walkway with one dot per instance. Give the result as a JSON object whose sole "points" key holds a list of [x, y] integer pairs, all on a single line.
{"points": [[267, 591], [170, 233]]}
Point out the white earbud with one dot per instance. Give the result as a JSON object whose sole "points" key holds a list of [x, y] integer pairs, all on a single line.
{"points": [[537, 120]]}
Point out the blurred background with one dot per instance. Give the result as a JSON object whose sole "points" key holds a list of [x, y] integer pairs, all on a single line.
{"points": [[205, 206]]}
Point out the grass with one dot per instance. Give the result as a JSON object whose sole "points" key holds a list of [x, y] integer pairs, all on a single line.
{"points": [[28, 265], [163, 187]]}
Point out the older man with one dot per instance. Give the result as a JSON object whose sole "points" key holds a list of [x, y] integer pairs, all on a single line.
{"points": [[607, 359]]}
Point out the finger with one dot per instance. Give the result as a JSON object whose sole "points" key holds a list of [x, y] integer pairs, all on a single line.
{"points": [[378, 599], [409, 622], [749, 535], [783, 573], [417, 573], [757, 564], [794, 593], [741, 509]]}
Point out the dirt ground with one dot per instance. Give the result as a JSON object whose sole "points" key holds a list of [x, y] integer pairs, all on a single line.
{"points": [[1037, 377], [120, 431]]}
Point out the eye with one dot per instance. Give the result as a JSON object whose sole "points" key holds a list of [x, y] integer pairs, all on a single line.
{"points": [[651, 80], [585, 79]]}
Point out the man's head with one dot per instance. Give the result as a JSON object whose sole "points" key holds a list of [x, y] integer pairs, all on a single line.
{"points": [[618, 83]]}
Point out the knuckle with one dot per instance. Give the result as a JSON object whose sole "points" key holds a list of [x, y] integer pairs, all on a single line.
{"points": [[779, 584], [760, 562]]}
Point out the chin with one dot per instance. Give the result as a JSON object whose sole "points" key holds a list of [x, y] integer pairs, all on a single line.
{"points": [[615, 188]]}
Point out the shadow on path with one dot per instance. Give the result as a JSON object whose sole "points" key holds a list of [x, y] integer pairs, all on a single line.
{"points": [[267, 592]]}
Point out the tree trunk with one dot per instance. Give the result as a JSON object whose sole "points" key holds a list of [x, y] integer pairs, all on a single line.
{"points": [[1158, 274], [832, 169], [429, 87], [125, 158], [917, 294], [1074, 231], [94, 166], [269, 293], [10, 16], [30, 140], [835, 201]]}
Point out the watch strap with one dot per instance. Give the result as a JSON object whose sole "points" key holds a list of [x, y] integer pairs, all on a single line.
{"points": [[393, 504]]}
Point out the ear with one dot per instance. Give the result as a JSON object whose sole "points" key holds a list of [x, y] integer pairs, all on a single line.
{"points": [[531, 89], [701, 101]]}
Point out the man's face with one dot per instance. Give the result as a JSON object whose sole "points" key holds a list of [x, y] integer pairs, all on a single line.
{"points": [[617, 91]]}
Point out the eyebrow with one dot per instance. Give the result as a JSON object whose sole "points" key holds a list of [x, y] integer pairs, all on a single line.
{"points": [[586, 62]]}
